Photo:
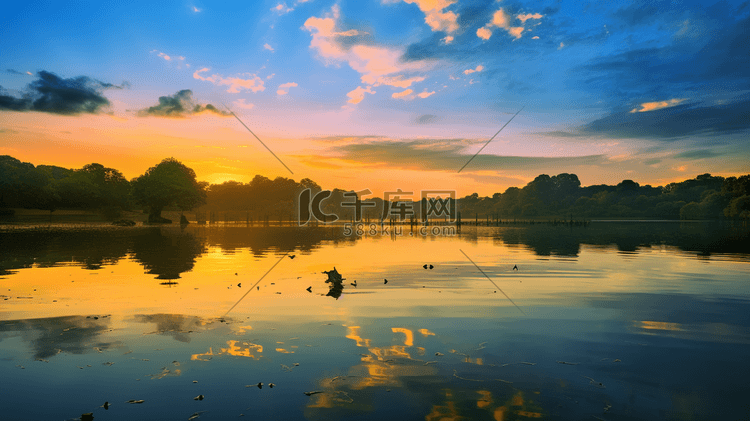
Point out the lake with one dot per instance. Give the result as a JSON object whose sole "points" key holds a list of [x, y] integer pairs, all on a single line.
{"points": [[613, 321]]}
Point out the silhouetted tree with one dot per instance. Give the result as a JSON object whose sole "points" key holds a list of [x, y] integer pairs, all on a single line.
{"points": [[170, 183]]}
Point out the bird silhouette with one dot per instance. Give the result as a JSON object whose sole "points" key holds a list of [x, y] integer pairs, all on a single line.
{"points": [[385, 281], [515, 267], [258, 288], [431, 266], [240, 285], [292, 256], [425, 266], [309, 289]]}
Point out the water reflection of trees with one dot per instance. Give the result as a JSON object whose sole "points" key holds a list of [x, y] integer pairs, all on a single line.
{"points": [[169, 251], [704, 238]]}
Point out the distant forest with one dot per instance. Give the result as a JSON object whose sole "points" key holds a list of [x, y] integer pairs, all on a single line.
{"points": [[95, 187]]}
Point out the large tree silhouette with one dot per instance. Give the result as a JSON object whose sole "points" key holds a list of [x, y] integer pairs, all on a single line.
{"points": [[170, 183]]}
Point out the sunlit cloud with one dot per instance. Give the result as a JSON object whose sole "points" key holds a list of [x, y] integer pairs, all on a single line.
{"points": [[268, 47], [399, 81], [425, 94], [448, 39], [500, 19], [377, 65], [524, 18], [477, 69], [196, 10], [236, 84], [657, 105], [435, 15], [402, 95], [281, 9], [284, 88], [357, 95]]}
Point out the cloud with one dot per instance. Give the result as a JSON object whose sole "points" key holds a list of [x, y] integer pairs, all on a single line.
{"points": [[236, 84], [377, 65], [16, 72], [197, 10], [399, 81], [426, 119], [268, 47], [425, 94], [357, 95], [698, 154], [242, 104], [477, 69], [484, 33], [500, 19], [678, 121], [446, 155], [284, 88], [561, 46], [281, 9], [651, 106], [402, 95], [524, 18], [448, 39], [52, 94], [435, 15], [180, 105]]}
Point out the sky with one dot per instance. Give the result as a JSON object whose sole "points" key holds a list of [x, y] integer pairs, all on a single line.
{"points": [[382, 95]]}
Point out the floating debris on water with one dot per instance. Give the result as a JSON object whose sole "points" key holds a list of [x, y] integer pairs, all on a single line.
{"points": [[199, 398], [105, 406], [595, 383], [314, 392], [87, 417], [337, 283], [439, 354], [135, 401], [566, 363]]}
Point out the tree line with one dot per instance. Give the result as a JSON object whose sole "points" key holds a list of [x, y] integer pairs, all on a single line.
{"points": [[170, 185]]}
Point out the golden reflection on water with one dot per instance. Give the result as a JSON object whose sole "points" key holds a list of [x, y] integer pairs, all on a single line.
{"points": [[234, 348]]}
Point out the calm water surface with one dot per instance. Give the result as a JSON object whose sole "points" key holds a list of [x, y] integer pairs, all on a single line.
{"points": [[616, 321]]}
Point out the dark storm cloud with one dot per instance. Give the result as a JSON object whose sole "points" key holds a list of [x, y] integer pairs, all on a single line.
{"points": [[52, 94], [180, 105]]}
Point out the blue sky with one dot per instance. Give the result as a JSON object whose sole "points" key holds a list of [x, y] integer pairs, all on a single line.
{"points": [[652, 90]]}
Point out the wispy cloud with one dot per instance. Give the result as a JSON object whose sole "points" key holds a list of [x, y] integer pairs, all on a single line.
{"points": [[284, 88], [657, 105], [268, 47], [16, 72], [236, 84], [241, 103]]}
